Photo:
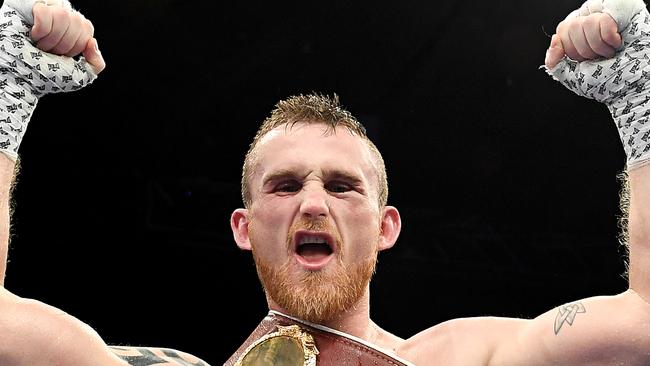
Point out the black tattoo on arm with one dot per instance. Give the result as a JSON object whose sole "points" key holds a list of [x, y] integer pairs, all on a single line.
{"points": [[567, 314], [148, 358]]}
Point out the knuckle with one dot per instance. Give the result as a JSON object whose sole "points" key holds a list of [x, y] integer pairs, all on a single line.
{"points": [[40, 9], [575, 26], [590, 21], [75, 21], [90, 27], [38, 12], [607, 21], [58, 12], [86, 29], [76, 16], [41, 24], [61, 15]]}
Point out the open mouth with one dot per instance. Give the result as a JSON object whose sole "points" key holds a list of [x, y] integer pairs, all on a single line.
{"points": [[313, 249]]}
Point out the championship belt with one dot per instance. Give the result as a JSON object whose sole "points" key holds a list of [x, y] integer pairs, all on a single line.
{"points": [[281, 340]]}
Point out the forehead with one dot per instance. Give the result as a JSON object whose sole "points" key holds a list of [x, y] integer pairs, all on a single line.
{"points": [[313, 147]]}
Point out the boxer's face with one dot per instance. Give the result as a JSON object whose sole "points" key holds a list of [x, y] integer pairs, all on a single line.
{"points": [[315, 225]]}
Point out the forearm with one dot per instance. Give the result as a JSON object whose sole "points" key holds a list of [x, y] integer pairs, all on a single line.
{"points": [[6, 178], [639, 231]]}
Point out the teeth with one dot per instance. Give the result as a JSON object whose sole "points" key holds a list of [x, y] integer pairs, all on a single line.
{"points": [[308, 239]]}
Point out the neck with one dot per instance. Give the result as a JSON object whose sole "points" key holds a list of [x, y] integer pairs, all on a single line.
{"points": [[354, 321]]}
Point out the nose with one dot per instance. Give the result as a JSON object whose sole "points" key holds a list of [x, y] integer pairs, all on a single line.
{"points": [[314, 203]]}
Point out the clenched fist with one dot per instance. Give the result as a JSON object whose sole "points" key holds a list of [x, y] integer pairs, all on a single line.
{"points": [[66, 32], [584, 38]]}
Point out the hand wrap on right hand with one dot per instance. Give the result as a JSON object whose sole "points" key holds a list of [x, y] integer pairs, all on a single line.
{"points": [[623, 82], [27, 73]]}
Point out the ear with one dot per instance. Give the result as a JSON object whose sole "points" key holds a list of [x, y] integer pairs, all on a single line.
{"points": [[391, 225], [239, 225]]}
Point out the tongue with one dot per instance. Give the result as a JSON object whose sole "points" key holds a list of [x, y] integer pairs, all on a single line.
{"points": [[314, 252]]}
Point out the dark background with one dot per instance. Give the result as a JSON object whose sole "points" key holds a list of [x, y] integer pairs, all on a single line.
{"points": [[505, 180]]}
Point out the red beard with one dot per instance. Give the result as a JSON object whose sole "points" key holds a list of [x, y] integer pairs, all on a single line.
{"points": [[315, 296]]}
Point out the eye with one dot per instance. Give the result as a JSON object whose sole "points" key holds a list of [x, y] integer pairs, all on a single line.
{"points": [[338, 187], [288, 186]]}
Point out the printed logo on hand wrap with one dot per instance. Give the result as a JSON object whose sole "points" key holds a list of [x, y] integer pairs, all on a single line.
{"points": [[622, 83], [27, 73]]}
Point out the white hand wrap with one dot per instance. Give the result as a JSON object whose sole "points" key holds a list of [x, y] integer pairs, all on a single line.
{"points": [[24, 7], [621, 83], [26, 73]]}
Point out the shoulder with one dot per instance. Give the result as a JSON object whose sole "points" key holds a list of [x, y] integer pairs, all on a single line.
{"points": [[153, 355]]}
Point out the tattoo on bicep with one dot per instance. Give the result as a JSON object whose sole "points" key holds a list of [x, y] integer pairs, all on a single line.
{"points": [[147, 358], [567, 314]]}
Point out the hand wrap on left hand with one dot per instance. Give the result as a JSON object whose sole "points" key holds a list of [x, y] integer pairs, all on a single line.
{"points": [[623, 82]]}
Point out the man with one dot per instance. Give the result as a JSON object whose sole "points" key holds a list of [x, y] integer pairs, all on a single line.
{"points": [[316, 215], [315, 192]]}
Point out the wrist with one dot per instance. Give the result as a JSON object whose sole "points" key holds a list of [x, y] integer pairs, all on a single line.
{"points": [[631, 114]]}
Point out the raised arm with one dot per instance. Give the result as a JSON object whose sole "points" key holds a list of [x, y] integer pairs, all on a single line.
{"points": [[602, 52], [619, 77], [19, 96], [33, 333]]}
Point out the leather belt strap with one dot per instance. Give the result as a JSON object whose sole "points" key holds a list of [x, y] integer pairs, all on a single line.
{"points": [[322, 346]]}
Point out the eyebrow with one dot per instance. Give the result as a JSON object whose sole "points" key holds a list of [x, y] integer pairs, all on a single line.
{"points": [[336, 174], [328, 174], [279, 175]]}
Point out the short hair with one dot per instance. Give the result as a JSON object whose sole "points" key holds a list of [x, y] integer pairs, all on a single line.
{"points": [[312, 109]]}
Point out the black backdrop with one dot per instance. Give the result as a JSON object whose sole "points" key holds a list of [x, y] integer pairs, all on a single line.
{"points": [[506, 181]]}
